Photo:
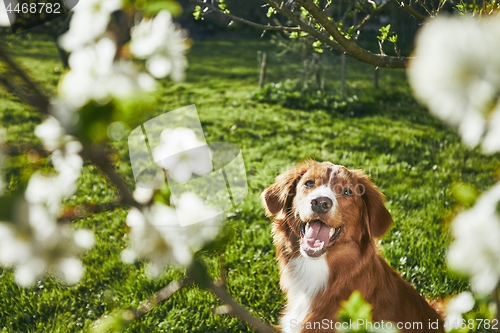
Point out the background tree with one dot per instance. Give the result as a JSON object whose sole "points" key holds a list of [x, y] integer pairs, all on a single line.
{"points": [[337, 26]]}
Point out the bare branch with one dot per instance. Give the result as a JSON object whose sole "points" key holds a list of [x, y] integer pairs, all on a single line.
{"points": [[99, 156], [79, 211], [19, 83], [250, 23], [36, 98], [324, 38], [159, 297], [424, 6], [373, 14], [411, 10], [236, 309], [217, 288], [351, 48], [334, 39]]}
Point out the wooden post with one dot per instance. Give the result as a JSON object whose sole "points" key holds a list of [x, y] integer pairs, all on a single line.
{"points": [[263, 67], [305, 79], [317, 71]]}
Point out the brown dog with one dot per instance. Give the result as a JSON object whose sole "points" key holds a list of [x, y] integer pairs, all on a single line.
{"points": [[324, 220]]}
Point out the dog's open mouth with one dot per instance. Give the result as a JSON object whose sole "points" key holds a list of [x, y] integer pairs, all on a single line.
{"points": [[317, 237]]}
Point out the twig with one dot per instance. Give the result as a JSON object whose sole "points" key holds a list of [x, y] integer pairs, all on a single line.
{"points": [[424, 6], [306, 27], [95, 154], [373, 14], [159, 297], [21, 148], [216, 287], [78, 211], [352, 49], [99, 158], [411, 11], [250, 23], [98, 155], [236, 309], [37, 98]]}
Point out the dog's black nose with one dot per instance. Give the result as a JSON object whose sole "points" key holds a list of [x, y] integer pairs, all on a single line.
{"points": [[321, 205]]}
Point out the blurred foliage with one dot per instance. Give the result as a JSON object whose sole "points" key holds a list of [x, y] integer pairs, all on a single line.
{"points": [[355, 316], [151, 7], [481, 319], [465, 194], [478, 8]]}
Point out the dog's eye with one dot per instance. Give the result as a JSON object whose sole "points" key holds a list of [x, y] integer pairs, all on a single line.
{"points": [[309, 183], [347, 191]]}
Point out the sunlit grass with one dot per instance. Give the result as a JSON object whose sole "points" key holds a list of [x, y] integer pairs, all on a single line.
{"points": [[413, 158]]}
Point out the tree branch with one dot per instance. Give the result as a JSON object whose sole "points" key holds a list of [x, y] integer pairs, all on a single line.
{"points": [[78, 211], [250, 23], [325, 39], [351, 48], [217, 288], [159, 297], [26, 89], [371, 15], [38, 100], [334, 39], [99, 157], [236, 309], [411, 11]]}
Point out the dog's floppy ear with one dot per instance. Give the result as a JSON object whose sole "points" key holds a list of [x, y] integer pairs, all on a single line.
{"points": [[379, 218], [279, 195]]}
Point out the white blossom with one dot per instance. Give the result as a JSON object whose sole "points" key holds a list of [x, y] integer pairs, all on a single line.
{"points": [[143, 195], [491, 142], [459, 78], [156, 234], [191, 209], [13, 249], [177, 154], [462, 303], [64, 112], [37, 243], [50, 190], [51, 133], [45, 191], [41, 245], [68, 158], [69, 270], [89, 22], [95, 75], [163, 45], [476, 249]]}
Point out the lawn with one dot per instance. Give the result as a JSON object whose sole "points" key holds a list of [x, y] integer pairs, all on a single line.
{"points": [[414, 159]]}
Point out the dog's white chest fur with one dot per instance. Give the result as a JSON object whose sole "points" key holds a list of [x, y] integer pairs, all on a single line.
{"points": [[303, 279]]}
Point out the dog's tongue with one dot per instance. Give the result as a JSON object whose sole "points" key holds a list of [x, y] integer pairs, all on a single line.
{"points": [[318, 232]]}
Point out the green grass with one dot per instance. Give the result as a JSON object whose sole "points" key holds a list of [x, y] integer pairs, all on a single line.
{"points": [[413, 158]]}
